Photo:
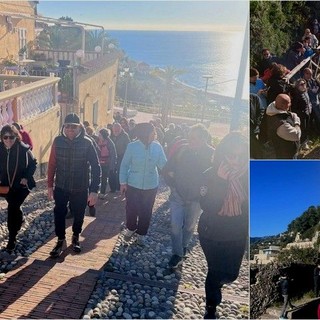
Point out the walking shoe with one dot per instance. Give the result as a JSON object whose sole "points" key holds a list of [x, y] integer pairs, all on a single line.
{"points": [[92, 211], [11, 245], [210, 313], [175, 261], [127, 235], [76, 244], [57, 250], [141, 241]]}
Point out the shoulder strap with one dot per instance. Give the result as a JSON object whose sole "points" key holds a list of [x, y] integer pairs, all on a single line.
{"points": [[15, 169]]}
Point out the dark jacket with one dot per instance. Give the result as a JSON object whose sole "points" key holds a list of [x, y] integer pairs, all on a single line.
{"points": [[276, 86], [284, 149], [69, 162], [284, 286], [301, 104], [187, 166], [26, 168], [313, 91], [213, 226], [121, 141]]}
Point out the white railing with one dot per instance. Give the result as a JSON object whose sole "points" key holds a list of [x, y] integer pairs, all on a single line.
{"points": [[22, 98], [311, 64]]}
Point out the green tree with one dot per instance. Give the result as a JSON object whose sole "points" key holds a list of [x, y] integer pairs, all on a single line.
{"points": [[298, 255], [168, 77], [276, 25], [94, 38]]}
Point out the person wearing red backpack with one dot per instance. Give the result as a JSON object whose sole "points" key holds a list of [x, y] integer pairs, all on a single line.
{"points": [[107, 159]]}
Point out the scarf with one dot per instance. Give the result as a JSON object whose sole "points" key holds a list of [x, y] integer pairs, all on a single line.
{"points": [[235, 194]]}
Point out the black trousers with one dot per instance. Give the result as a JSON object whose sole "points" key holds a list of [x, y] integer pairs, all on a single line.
{"points": [[78, 203], [224, 260], [15, 199], [139, 209], [114, 180]]}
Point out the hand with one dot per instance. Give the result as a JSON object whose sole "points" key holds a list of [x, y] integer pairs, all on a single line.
{"points": [[123, 188], [296, 119], [92, 198], [24, 181], [50, 193]]}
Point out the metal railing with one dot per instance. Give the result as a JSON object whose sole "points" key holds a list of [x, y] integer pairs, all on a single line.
{"points": [[221, 114]]}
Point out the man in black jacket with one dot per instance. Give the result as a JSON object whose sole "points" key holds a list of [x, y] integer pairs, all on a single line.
{"points": [[316, 278], [284, 284], [72, 154]]}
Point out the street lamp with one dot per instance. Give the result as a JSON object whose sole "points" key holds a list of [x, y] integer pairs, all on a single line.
{"points": [[207, 77], [126, 75]]}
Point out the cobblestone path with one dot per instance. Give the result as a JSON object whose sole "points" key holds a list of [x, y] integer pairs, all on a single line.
{"points": [[101, 281]]}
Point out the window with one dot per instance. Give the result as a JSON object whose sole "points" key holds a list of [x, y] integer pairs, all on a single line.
{"points": [[110, 99], [22, 38], [95, 113]]}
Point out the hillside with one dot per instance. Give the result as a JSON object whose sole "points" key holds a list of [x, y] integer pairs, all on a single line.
{"points": [[306, 225]]}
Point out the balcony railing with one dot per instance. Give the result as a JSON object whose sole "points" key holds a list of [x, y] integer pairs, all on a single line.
{"points": [[24, 97]]}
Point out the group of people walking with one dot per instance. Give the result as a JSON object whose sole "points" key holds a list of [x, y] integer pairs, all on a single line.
{"points": [[206, 183]]}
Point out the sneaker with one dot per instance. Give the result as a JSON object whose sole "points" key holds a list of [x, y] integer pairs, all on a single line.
{"points": [[76, 244], [127, 235], [58, 249], [175, 261], [92, 211], [141, 240], [11, 245], [210, 313]]}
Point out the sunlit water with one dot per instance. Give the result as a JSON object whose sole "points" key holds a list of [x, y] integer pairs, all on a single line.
{"points": [[197, 53]]}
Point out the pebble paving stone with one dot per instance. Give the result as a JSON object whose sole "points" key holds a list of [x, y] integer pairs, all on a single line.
{"points": [[110, 279]]}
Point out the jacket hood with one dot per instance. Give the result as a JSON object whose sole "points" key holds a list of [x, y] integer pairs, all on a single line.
{"points": [[272, 110]]}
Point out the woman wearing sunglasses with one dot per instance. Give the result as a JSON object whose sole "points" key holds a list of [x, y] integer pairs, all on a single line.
{"points": [[17, 167]]}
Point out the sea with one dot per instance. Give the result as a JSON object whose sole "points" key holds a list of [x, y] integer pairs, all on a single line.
{"points": [[196, 53]]}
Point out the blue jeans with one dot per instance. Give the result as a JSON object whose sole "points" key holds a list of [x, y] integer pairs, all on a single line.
{"points": [[78, 203], [184, 217]]}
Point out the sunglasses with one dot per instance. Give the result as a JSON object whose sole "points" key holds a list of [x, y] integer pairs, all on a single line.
{"points": [[71, 126], [8, 137]]}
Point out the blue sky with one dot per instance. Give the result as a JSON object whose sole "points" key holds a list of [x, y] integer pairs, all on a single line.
{"points": [[281, 191], [152, 15]]}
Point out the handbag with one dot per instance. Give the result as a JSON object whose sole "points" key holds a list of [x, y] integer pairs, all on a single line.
{"points": [[4, 190]]}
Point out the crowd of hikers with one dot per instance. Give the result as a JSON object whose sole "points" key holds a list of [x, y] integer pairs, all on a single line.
{"points": [[284, 100], [208, 184]]}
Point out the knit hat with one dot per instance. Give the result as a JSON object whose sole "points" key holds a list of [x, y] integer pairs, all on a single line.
{"points": [[72, 118]]}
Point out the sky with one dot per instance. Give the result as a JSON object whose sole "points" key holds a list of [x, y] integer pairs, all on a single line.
{"points": [[281, 191], [152, 15]]}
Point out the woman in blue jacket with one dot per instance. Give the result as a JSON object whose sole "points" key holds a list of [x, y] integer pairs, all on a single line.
{"points": [[139, 179]]}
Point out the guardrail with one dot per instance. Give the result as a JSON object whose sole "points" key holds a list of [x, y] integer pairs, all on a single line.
{"points": [[221, 114]]}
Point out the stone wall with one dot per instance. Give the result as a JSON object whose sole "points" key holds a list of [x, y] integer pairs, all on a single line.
{"points": [[265, 291]]}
